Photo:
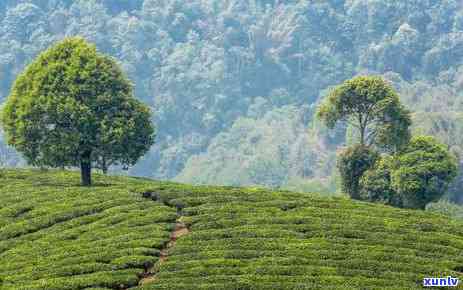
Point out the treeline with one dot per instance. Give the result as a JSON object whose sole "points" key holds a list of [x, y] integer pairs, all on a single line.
{"points": [[234, 83]]}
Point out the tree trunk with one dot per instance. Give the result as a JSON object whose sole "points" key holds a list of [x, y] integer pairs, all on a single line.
{"points": [[86, 169], [362, 129], [362, 135], [104, 167]]}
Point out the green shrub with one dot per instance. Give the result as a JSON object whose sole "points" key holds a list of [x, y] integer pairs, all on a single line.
{"points": [[424, 172], [421, 173], [375, 184], [352, 163]]}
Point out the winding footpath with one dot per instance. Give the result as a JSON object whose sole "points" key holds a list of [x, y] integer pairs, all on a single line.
{"points": [[151, 274]]}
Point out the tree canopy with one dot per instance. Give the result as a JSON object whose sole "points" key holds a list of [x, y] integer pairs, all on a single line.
{"points": [[370, 105], [421, 173], [73, 106]]}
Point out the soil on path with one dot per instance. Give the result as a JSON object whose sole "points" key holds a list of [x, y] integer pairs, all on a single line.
{"points": [[151, 274]]}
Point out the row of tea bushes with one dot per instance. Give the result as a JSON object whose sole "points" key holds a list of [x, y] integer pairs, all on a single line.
{"points": [[55, 234]]}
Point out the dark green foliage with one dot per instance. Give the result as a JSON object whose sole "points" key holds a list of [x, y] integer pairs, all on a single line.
{"points": [[375, 184], [447, 128], [424, 171], [352, 163], [74, 107], [370, 105], [416, 176]]}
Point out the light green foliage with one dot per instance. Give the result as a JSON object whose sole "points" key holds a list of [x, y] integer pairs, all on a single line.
{"points": [[7, 157], [352, 163], [309, 185], [73, 106], [265, 148], [258, 239], [446, 208], [55, 234], [423, 172], [370, 105]]}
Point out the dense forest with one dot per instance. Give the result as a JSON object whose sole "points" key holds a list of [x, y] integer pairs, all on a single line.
{"points": [[234, 84]]}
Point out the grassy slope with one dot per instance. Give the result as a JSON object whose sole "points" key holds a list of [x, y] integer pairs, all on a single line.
{"points": [[56, 235]]}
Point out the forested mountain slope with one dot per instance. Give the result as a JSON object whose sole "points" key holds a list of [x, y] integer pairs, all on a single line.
{"points": [[224, 72], [126, 232]]}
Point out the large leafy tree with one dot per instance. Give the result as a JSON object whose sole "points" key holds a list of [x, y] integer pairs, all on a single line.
{"points": [[369, 104], [73, 106]]}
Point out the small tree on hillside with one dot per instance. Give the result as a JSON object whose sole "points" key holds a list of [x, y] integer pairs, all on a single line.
{"points": [[73, 106], [370, 105]]}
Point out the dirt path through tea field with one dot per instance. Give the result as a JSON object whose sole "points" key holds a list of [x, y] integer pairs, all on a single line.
{"points": [[151, 274]]}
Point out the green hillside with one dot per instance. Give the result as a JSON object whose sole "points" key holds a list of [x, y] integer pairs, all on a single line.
{"points": [[123, 232]]}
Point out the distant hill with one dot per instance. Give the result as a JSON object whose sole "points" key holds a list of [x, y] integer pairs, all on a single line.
{"points": [[125, 231]]}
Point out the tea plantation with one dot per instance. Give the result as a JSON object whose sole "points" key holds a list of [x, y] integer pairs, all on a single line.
{"points": [[55, 234]]}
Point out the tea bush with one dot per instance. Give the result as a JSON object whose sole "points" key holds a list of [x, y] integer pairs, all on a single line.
{"points": [[259, 239], [55, 234]]}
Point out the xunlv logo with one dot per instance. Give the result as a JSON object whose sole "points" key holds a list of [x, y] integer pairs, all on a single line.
{"points": [[440, 282]]}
